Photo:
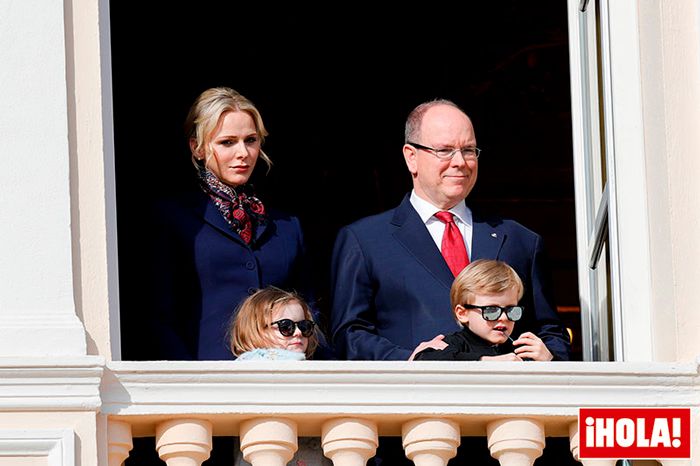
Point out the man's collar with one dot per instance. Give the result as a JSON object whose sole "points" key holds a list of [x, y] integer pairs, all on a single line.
{"points": [[426, 210]]}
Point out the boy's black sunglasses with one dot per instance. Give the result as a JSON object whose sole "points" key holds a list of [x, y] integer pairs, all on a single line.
{"points": [[288, 326], [491, 313]]}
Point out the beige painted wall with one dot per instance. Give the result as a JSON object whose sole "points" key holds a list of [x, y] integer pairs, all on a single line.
{"points": [[18, 461], [670, 60], [82, 423], [682, 110], [90, 134]]}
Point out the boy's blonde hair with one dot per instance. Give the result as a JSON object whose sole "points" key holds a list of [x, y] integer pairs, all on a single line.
{"points": [[484, 276], [254, 315]]}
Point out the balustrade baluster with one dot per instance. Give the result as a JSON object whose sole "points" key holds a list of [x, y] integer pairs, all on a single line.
{"points": [[268, 441], [119, 442], [515, 442], [184, 442], [574, 446], [349, 441], [430, 442]]}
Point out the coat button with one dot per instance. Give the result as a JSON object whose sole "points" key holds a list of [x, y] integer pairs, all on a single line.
{"points": [[250, 265], [251, 290]]}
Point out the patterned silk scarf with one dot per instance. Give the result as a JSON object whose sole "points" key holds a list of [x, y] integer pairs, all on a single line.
{"points": [[243, 211]]}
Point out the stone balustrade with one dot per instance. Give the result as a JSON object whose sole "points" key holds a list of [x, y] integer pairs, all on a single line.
{"points": [[349, 405], [51, 405]]}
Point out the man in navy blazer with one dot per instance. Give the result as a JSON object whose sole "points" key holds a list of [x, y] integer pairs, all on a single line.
{"points": [[390, 283]]}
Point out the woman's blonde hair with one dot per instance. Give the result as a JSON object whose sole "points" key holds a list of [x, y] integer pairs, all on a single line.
{"points": [[484, 276], [254, 315], [206, 112]]}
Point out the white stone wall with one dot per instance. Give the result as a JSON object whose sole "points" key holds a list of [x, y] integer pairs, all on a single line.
{"points": [[682, 82], [37, 312], [670, 59], [39, 327]]}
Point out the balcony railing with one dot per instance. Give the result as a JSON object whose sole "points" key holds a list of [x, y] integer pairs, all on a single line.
{"points": [[350, 404]]}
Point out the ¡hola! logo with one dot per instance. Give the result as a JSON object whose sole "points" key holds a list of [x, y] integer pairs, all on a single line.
{"points": [[634, 433]]}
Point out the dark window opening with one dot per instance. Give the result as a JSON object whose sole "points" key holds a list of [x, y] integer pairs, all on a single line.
{"points": [[334, 88]]}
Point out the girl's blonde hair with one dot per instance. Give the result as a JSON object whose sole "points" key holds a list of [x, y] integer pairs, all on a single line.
{"points": [[206, 112], [254, 315], [484, 276]]}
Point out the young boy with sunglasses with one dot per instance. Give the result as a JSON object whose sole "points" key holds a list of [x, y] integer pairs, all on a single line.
{"points": [[484, 298]]}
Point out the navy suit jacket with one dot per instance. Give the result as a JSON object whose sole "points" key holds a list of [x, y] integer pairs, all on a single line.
{"points": [[391, 285], [202, 269]]}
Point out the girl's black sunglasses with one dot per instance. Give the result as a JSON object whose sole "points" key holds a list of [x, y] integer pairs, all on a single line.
{"points": [[287, 327]]}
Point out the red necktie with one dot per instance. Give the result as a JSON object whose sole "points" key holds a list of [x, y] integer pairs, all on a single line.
{"points": [[453, 249]]}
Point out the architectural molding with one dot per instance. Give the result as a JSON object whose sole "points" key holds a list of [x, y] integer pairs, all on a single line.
{"points": [[57, 446], [50, 384], [361, 388]]}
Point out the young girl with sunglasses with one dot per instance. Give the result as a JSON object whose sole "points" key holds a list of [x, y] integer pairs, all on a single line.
{"points": [[484, 298], [276, 324], [273, 324]]}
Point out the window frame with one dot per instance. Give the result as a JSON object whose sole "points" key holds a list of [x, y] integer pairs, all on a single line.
{"points": [[608, 146], [610, 173]]}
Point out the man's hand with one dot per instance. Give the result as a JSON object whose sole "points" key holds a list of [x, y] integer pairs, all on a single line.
{"points": [[531, 347], [435, 343]]}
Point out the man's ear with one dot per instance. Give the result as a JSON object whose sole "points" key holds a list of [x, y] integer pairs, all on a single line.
{"points": [[409, 155], [462, 314]]}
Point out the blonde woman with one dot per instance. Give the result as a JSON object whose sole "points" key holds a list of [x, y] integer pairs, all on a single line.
{"points": [[218, 245]]}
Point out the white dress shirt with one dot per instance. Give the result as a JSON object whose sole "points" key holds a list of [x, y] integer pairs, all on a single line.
{"points": [[462, 218]]}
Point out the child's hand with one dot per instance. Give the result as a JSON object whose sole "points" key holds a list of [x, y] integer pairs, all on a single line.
{"points": [[531, 347], [502, 357]]}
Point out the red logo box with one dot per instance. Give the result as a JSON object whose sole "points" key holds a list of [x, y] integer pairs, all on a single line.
{"points": [[634, 433]]}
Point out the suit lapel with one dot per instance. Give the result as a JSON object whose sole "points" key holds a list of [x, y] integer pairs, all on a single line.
{"points": [[211, 215], [260, 229], [414, 236], [487, 239]]}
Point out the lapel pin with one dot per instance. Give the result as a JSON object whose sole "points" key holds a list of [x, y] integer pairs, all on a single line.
{"points": [[493, 235]]}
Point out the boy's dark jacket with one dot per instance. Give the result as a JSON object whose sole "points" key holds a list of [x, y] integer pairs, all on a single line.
{"points": [[464, 345]]}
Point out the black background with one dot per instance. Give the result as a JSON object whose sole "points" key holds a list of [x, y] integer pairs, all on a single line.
{"points": [[334, 84]]}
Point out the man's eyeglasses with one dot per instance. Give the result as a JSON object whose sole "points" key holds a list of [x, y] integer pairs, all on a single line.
{"points": [[447, 154], [287, 327], [491, 313]]}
